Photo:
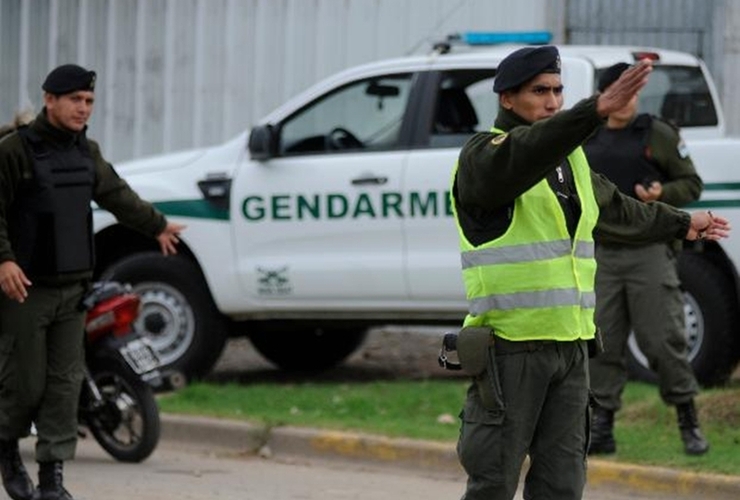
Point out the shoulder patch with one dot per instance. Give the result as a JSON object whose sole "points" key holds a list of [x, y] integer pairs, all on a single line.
{"points": [[499, 139], [683, 150]]}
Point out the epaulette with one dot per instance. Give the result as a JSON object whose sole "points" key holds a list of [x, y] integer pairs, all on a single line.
{"points": [[6, 130], [21, 119]]}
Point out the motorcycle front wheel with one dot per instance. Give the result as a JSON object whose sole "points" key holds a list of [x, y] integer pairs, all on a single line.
{"points": [[126, 421]]}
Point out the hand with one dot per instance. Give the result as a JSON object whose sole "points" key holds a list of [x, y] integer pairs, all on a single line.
{"points": [[13, 281], [707, 226], [170, 237], [618, 94], [652, 193]]}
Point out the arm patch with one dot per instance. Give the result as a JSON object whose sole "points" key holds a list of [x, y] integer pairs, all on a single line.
{"points": [[499, 139]]}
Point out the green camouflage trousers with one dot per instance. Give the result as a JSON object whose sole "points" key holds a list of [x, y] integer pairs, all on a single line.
{"points": [[542, 411], [41, 368], [637, 288]]}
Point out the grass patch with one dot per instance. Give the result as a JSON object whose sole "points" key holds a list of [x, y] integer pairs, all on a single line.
{"points": [[398, 409], [647, 433], [646, 429]]}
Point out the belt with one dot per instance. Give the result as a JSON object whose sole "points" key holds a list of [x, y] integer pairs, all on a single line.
{"points": [[504, 346]]}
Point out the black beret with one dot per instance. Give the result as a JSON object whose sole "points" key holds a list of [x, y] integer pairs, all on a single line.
{"points": [[69, 78], [611, 75], [524, 64]]}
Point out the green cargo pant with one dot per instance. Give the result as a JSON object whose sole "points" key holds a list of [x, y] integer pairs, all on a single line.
{"points": [[637, 288], [41, 368], [542, 389]]}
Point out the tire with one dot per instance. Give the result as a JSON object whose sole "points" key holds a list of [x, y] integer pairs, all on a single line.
{"points": [[127, 425], [709, 307], [177, 313], [310, 350]]}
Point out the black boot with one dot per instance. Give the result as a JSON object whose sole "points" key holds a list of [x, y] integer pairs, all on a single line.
{"points": [[15, 477], [602, 432], [50, 482], [688, 423]]}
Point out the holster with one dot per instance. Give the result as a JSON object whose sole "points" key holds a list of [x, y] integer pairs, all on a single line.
{"points": [[473, 343], [475, 350]]}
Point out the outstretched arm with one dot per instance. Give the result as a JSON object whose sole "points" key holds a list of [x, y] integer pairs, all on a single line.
{"points": [[623, 219]]}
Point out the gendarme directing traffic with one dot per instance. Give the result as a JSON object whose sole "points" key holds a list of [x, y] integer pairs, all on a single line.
{"points": [[527, 205]]}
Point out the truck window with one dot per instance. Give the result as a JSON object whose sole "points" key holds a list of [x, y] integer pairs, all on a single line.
{"points": [[365, 114], [465, 104], [679, 94]]}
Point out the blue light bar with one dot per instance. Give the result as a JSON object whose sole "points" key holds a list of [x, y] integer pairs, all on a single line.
{"points": [[493, 38]]}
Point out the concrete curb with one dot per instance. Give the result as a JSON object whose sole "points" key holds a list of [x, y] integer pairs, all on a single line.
{"points": [[663, 480], [246, 438]]}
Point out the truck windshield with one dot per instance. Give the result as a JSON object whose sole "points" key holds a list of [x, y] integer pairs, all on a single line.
{"points": [[679, 94]]}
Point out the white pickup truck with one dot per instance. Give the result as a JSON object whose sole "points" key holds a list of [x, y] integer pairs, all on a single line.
{"points": [[331, 215]]}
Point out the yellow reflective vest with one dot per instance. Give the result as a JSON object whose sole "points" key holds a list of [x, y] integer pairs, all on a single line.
{"points": [[533, 282]]}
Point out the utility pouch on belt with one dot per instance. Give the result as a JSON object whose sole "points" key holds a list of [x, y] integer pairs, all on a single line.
{"points": [[473, 344], [475, 352]]}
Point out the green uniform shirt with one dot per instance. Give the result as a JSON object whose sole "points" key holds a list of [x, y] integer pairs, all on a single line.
{"points": [[682, 185], [110, 191], [493, 172]]}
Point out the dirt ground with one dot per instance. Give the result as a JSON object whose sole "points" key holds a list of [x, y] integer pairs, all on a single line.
{"points": [[387, 354]]}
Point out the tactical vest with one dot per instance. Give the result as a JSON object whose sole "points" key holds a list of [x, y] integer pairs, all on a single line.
{"points": [[534, 282], [620, 154], [50, 223]]}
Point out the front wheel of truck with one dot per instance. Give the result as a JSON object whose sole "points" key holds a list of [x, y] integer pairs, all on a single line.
{"points": [[177, 312], [309, 349]]}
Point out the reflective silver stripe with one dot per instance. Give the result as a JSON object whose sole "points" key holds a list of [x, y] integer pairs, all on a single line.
{"points": [[518, 253], [588, 300], [585, 250], [525, 253], [532, 300]]}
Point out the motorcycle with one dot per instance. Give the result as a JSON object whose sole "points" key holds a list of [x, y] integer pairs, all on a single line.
{"points": [[117, 403]]}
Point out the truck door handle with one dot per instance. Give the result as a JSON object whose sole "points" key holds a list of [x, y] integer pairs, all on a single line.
{"points": [[369, 180]]}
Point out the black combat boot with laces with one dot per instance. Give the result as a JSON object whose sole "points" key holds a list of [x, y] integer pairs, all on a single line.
{"points": [[51, 482], [16, 481], [602, 432], [694, 442]]}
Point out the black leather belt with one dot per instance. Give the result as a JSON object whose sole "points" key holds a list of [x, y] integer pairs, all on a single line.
{"points": [[504, 346]]}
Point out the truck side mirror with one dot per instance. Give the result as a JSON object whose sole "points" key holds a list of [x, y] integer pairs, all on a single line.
{"points": [[262, 142]]}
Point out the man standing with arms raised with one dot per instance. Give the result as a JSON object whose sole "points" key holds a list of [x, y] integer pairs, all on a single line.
{"points": [[526, 205]]}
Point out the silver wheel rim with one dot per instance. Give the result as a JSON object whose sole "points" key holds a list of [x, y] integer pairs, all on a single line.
{"points": [[165, 301]]}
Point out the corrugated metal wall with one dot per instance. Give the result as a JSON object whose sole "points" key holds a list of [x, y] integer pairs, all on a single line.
{"points": [[702, 27], [174, 74], [684, 25], [728, 30]]}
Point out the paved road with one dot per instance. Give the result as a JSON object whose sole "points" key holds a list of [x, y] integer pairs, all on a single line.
{"points": [[176, 472]]}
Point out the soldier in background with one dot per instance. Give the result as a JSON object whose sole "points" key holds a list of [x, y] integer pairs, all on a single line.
{"points": [[49, 175], [637, 286]]}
